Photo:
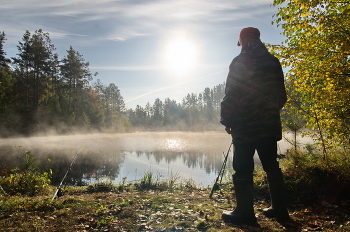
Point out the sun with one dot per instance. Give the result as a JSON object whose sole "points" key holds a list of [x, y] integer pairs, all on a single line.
{"points": [[180, 55]]}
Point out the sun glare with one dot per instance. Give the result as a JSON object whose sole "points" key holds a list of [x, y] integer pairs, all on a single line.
{"points": [[180, 56]]}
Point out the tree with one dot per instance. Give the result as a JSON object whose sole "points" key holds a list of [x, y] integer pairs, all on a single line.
{"points": [[34, 64], [93, 107], [140, 115], [218, 94], [76, 75], [148, 110], [171, 112], [3, 60], [208, 99], [113, 98], [317, 54], [158, 112], [6, 79], [191, 109], [114, 105]]}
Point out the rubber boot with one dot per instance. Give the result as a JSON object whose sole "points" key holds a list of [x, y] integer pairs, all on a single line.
{"points": [[244, 212], [278, 208]]}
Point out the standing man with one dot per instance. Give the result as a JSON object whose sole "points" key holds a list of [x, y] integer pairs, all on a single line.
{"points": [[250, 111]]}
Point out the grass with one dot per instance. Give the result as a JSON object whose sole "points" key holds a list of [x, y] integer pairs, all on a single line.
{"points": [[317, 193], [155, 207]]}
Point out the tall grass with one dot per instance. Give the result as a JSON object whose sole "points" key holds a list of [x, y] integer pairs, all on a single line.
{"points": [[149, 180]]}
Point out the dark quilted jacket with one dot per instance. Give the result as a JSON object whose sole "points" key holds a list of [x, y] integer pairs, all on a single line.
{"points": [[254, 95]]}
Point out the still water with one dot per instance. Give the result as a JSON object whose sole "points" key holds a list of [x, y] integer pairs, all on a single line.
{"points": [[187, 155]]}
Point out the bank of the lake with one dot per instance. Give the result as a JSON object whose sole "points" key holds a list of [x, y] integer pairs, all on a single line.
{"points": [[191, 155], [317, 190], [128, 209]]}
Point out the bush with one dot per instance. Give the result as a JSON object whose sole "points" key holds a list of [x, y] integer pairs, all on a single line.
{"points": [[310, 178], [104, 186], [26, 180]]}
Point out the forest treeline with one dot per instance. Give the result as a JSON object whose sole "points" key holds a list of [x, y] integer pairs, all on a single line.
{"points": [[40, 92], [195, 111]]}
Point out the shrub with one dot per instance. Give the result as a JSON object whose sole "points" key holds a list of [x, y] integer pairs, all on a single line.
{"points": [[103, 186], [26, 180], [310, 178]]}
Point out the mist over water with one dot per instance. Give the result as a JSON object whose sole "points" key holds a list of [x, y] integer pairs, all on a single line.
{"points": [[190, 155]]}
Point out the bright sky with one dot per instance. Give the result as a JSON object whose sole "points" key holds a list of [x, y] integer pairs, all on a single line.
{"points": [[150, 49]]}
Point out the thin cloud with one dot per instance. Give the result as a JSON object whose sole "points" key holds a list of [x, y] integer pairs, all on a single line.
{"points": [[127, 19], [171, 86], [128, 68], [148, 67]]}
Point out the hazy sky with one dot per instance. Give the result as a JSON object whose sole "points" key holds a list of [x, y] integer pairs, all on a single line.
{"points": [[149, 48]]}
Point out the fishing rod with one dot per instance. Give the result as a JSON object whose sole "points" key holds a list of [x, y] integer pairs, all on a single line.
{"points": [[70, 166], [216, 185]]}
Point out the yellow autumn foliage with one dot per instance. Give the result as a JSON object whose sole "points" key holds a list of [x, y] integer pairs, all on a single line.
{"points": [[316, 53]]}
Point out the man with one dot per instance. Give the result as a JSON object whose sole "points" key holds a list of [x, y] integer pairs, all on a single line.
{"points": [[250, 111]]}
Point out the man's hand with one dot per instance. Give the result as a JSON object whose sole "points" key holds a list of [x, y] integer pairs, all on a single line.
{"points": [[228, 130]]}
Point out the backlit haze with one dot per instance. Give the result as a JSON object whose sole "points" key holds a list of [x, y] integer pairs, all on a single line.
{"points": [[191, 155], [150, 49]]}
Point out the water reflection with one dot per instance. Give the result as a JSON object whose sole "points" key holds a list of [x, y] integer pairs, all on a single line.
{"points": [[172, 144], [189, 154], [91, 167], [116, 156], [200, 167]]}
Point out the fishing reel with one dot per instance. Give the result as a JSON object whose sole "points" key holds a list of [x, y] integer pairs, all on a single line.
{"points": [[60, 192]]}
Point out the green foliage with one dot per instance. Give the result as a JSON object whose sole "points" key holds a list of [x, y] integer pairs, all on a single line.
{"points": [[171, 182], [17, 204], [27, 180], [6, 79], [3, 60], [71, 190], [316, 52], [42, 92], [101, 186], [149, 180], [35, 62], [6, 85], [75, 74], [308, 175]]}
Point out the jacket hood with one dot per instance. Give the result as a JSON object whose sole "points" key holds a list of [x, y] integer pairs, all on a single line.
{"points": [[255, 48]]}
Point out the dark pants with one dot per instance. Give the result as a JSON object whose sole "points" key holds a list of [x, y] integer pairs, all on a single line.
{"points": [[243, 157]]}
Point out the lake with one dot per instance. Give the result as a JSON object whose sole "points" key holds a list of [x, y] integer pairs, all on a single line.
{"points": [[189, 155]]}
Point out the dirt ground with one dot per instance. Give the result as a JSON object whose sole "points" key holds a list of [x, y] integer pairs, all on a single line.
{"points": [[152, 210]]}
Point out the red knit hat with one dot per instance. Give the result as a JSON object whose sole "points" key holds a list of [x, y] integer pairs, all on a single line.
{"points": [[248, 32]]}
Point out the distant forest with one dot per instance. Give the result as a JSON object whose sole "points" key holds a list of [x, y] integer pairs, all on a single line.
{"points": [[41, 93]]}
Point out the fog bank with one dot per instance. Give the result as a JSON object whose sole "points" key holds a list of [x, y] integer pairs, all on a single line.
{"points": [[210, 142]]}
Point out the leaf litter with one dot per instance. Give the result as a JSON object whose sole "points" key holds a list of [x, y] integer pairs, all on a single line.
{"points": [[152, 210]]}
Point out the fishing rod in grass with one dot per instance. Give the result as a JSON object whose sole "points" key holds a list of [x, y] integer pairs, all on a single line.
{"points": [[216, 185], [59, 190]]}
